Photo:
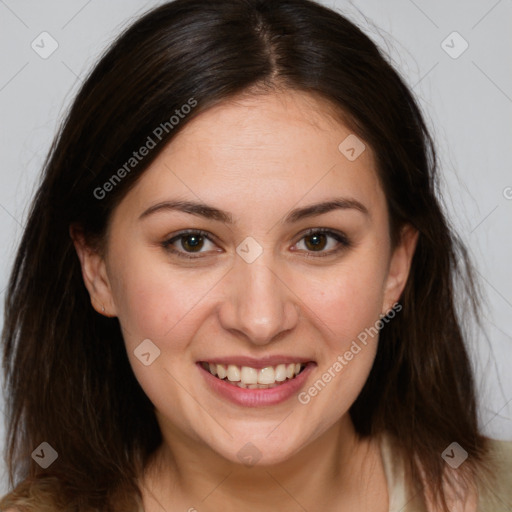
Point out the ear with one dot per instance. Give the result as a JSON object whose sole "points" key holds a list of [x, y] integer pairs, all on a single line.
{"points": [[399, 266], [94, 274]]}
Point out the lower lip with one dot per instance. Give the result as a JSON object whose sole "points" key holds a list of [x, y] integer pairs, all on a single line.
{"points": [[257, 397]]}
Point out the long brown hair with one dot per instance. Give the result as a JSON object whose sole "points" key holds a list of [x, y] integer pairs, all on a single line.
{"points": [[68, 379]]}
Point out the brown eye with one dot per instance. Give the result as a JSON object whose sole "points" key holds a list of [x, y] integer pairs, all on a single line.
{"points": [[188, 243], [192, 243], [316, 242]]}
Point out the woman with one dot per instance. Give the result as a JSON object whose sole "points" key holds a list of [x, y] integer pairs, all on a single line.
{"points": [[236, 287]]}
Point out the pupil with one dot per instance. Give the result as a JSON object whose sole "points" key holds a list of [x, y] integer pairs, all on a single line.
{"points": [[318, 241], [192, 241]]}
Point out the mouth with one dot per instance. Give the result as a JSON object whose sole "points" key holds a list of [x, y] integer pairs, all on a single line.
{"points": [[250, 382], [249, 377]]}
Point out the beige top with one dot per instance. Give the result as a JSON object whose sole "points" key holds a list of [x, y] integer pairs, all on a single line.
{"points": [[495, 499]]}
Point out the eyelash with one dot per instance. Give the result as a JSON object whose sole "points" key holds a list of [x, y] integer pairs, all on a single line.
{"points": [[339, 237]]}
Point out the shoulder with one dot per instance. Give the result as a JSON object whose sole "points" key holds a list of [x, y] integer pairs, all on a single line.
{"points": [[492, 489], [34, 495], [496, 490], [502, 449]]}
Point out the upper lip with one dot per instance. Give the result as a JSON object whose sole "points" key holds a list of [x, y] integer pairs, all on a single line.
{"points": [[257, 363]]}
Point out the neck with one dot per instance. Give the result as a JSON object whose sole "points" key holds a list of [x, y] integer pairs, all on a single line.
{"points": [[333, 467]]}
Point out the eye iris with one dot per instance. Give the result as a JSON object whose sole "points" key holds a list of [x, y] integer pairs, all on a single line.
{"points": [[318, 239], [192, 242]]}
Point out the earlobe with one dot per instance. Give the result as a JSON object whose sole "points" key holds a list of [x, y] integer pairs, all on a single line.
{"points": [[400, 265], [94, 274]]}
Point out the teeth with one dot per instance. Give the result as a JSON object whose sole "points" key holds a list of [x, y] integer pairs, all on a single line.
{"points": [[233, 373], [252, 378], [267, 375], [221, 370], [260, 386], [280, 372], [249, 375]]}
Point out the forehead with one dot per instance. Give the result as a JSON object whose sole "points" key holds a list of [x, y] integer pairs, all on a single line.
{"points": [[269, 126], [257, 149]]}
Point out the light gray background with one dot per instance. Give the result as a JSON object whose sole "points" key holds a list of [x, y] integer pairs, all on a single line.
{"points": [[467, 100]]}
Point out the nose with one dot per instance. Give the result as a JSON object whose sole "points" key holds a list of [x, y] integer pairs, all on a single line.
{"points": [[258, 304]]}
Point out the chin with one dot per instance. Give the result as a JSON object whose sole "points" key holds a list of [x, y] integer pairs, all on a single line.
{"points": [[259, 449]]}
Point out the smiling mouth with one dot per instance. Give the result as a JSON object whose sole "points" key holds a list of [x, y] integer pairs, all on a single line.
{"points": [[253, 378]]}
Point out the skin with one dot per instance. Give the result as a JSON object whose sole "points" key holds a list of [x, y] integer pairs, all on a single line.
{"points": [[256, 157]]}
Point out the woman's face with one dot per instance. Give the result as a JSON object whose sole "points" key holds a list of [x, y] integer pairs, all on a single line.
{"points": [[259, 290]]}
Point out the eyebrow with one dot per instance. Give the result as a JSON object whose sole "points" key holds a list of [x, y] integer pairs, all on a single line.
{"points": [[212, 213]]}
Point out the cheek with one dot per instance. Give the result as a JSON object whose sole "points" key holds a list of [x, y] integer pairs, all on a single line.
{"points": [[153, 299], [347, 308], [157, 302], [349, 297]]}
